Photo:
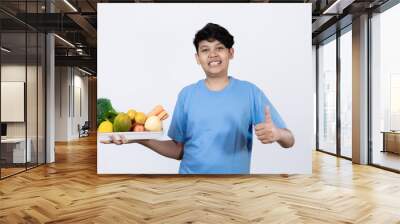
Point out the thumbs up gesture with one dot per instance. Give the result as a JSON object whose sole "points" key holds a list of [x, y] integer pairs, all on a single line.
{"points": [[267, 132]]}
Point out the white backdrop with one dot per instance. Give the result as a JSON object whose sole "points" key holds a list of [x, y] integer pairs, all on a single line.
{"points": [[146, 56]]}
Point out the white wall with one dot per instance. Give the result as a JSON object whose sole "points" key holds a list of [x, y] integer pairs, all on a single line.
{"points": [[15, 72], [80, 102], [61, 103], [68, 83], [144, 60], [314, 73]]}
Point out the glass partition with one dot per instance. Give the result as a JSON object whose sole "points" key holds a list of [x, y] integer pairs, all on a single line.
{"points": [[22, 63], [13, 105]]}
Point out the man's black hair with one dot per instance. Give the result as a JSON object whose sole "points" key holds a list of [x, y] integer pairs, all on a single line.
{"points": [[213, 32]]}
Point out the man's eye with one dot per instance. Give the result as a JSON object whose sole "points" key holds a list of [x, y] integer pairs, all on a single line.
{"points": [[204, 50], [220, 48]]}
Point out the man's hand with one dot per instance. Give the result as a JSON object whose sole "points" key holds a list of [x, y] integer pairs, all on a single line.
{"points": [[119, 140], [168, 148], [267, 132]]}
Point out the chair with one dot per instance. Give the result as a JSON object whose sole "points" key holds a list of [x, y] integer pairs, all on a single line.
{"points": [[84, 130]]}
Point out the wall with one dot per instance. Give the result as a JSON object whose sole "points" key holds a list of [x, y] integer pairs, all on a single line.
{"points": [[17, 73], [92, 107], [314, 73], [62, 80], [71, 102]]}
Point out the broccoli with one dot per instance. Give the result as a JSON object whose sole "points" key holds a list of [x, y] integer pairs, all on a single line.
{"points": [[105, 111]]}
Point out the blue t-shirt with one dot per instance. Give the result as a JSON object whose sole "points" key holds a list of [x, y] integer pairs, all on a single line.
{"points": [[216, 127]]}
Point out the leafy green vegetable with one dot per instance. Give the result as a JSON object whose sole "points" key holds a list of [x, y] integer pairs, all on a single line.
{"points": [[105, 111], [110, 115]]}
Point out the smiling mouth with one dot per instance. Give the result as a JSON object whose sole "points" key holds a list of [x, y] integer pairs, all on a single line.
{"points": [[214, 63]]}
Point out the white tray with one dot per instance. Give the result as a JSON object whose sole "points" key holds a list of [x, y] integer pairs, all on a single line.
{"points": [[131, 135]]}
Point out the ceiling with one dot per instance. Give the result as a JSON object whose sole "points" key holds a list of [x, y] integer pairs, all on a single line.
{"points": [[76, 22]]}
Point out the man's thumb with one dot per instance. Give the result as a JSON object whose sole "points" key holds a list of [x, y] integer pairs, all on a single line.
{"points": [[267, 115]]}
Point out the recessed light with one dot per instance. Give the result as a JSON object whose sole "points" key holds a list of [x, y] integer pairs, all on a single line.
{"points": [[64, 40], [84, 71], [5, 50], [70, 5]]}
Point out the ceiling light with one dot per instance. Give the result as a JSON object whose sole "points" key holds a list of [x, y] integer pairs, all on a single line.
{"points": [[64, 40], [84, 71], [5, 50], [70, 5], [338, 6]]}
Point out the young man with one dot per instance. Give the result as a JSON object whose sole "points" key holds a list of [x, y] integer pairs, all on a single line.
{"points": [[213, 119]]}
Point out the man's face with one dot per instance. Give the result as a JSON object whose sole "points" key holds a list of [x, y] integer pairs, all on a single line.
{"points": [[214, 57]]}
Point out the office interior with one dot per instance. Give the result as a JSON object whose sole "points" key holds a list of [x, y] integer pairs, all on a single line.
{"points": [[48, 81]]}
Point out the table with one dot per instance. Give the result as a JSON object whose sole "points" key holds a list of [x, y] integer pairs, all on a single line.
{"points": [[391, 141], [15, 148]]}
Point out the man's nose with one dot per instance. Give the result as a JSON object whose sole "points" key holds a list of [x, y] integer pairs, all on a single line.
{"points": [[212, 53]]}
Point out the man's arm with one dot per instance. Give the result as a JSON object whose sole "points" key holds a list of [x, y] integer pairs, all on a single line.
{"points": [[169, 148], [268, 133], [286, 139]]}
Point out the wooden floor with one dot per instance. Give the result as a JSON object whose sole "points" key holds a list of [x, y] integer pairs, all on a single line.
{"points": [[70, 191], [5, 172], [387, 159]]}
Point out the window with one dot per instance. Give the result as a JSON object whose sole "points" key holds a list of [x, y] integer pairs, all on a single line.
{"points": [[346, 94], [385, 88], [327, 96]]}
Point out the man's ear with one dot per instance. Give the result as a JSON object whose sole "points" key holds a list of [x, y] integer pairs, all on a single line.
{"points": [[197, 58], [231, 53]]}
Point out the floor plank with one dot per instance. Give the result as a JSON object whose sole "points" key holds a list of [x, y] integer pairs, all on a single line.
{"points": [[70, 191]]}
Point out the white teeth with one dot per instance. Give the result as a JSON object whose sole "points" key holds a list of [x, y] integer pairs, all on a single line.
{"points": [[214, 63]]}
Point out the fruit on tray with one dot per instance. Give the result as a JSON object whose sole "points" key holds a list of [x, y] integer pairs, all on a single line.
{"points": [[131, 113], [153, 123], [122, 123], [138, 127], [105, 126], [163, 115], [140, 118], [109, 120], [158, 111]]}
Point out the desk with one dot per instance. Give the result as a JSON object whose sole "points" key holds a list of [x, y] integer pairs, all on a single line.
{"points": [[391, 141], [16, 151]]}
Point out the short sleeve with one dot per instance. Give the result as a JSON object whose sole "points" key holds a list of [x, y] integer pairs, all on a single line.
{"points": [[177, 128], [260, 101]]}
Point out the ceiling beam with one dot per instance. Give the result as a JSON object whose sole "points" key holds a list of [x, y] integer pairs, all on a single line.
{"points": [[83, 61], [84, 24]]}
